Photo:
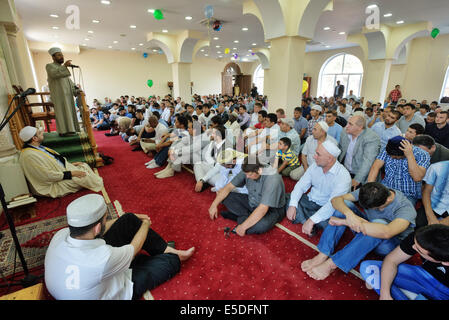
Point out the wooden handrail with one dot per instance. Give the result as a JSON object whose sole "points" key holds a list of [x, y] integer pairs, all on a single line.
{"points": [[85, 115]]}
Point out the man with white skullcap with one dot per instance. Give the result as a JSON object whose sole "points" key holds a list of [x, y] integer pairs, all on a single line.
{"points": [[319, 135], [96, 259], [49, 173], [328, 178], [62, 91]]}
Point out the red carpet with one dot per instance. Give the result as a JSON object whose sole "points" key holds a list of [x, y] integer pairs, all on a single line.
{"points": [[253, 267]]}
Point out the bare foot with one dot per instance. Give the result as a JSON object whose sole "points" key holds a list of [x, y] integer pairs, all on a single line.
{"points": [[315, 261], [323, 270], [182, 254]]}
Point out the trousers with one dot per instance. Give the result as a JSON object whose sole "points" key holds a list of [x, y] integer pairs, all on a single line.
{"points": [[148, 271]]}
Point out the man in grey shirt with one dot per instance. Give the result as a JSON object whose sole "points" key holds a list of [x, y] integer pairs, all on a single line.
{"points": [[409, 117], [258, 211], [388, 218]]}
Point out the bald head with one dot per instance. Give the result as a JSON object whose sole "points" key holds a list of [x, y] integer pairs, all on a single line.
{"points": [[356, 125]]}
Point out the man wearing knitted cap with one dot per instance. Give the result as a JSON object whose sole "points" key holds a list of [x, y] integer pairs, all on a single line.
{"points": [[328, 178], [96, 259], [50, 174], [62, 91], [405, 167], [319, 135]]}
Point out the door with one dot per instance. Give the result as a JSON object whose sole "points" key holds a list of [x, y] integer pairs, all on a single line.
{"points": [[226, 84]]}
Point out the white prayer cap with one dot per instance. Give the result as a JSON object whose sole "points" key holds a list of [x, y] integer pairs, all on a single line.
{"points": [[27, 133], [331, 148], [323, 125], [86, 210], [317, 108], [54, 50]]}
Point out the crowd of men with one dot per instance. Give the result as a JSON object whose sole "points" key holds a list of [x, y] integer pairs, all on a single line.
{"points": [[380, 170]]}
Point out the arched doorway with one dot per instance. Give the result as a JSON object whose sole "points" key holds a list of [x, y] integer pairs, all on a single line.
{"points": [[231, 76]]}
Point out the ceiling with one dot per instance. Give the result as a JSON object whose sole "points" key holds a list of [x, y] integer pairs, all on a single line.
{"points": [[115, 20]]}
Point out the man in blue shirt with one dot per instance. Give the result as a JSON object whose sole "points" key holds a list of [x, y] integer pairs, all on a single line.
{"points": [[334, 128], [301, 124], [405, 167]]}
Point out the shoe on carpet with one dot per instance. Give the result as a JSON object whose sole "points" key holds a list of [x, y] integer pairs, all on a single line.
{"points": [[171, 244]]}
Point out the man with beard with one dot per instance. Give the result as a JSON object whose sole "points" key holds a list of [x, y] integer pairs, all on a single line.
{"points": [[62, 91], [95, 259], [387, 129]]}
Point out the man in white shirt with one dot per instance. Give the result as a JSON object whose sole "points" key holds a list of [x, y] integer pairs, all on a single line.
{"points": [[149, 144], [328, 178], [95, 259]]}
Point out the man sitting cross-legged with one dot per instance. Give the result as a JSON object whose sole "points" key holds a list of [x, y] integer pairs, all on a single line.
{"points": [[388, 218], [259, 210], [49, 173], [328, 178], [95, 259]]}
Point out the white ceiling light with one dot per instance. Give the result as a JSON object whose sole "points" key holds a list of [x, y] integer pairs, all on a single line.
{"points": [[216, 38], [106, 2], [151, 10], [115, 41], [254, 44], [202, 50], [55, 28], [54, 16], [133, 48], [326, 28], [110, 47], [328, 46], [372, 6], [400, 22], [220, 56], [245, 29], [234, 48], [133, 26], [236, 41], [387, 15], [84, 44], [96, 21], [206, 55], [188, 18], [217, 47], [165, 31], [140, 44], [90, 31], [87, 39], [154, 50], [342, 33]]}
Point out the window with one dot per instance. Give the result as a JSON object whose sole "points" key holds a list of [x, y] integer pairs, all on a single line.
{"points": [[259, 78], [347, 69], [445, 91]]}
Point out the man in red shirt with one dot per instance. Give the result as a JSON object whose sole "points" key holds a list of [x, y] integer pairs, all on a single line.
{"points": [[395, 94]]}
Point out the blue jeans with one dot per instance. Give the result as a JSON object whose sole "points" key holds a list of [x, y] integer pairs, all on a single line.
{"points": [[161, 157], [411, 278], [350, 256], [306, 209]]}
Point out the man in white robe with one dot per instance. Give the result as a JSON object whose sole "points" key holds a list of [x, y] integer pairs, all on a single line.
{"points": [[48, 173]]}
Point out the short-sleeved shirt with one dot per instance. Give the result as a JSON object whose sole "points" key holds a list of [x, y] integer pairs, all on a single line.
{"points": [[300, 124], [385, 134], [438, 176], [403, 124], [397, 175], [268, 190], [294, 138], [87, 269], [288, 156], [437, 270], [335, 131], [310, 147], [400, 208]]}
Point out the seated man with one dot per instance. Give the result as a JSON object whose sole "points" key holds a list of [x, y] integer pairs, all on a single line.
{"points": [[159, 130], [435, 195], [259, 210], [229, 164], [334, 128], [428, 281], [50, 174], [104, 122], [388, 218], [208, 160], [387, 129], [327, 179], [437, 151], [96, 259], [359, 147], [405, 167], [413, 130], [288, 130]]}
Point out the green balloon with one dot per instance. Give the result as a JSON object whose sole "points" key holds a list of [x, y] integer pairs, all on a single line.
{"points": [[150, 83], [435, 32], [158, 15]]}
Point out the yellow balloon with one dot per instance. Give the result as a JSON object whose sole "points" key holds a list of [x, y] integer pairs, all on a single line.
{"points": [[227, 50], [305, 86]]}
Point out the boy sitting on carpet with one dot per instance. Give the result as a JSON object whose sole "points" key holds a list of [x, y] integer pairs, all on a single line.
{"points": [[287, 158]]}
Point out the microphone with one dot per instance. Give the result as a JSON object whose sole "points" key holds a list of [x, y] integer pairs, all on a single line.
{"points": [[73, 66], [27, 92]]}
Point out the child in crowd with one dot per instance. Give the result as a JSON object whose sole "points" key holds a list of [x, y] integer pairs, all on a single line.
{"points": [[289, 160]]}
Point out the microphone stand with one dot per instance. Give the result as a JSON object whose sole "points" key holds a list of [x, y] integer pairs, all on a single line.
{"points": [[29, 279]]}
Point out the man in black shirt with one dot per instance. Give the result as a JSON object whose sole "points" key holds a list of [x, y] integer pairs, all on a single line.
{"points": [[428, 281], [440, 129]]}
